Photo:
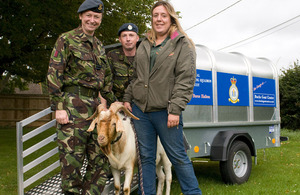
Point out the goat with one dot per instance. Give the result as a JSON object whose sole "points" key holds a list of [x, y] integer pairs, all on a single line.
{"points": [[117, 141]]}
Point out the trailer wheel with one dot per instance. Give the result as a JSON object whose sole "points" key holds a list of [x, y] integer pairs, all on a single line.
{"points": [[237, 168]]}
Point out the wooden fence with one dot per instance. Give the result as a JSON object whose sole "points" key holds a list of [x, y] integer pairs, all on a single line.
{"points": [[14, 108]]}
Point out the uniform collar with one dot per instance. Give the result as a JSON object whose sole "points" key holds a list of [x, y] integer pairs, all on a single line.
{"points": [[83, 37]]}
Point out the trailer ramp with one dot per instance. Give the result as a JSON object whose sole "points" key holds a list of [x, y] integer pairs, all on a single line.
{"points": [[51, 185]]}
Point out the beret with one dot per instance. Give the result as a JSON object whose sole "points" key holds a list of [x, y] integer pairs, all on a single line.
{"points": [[128, 27], [92, 5]]}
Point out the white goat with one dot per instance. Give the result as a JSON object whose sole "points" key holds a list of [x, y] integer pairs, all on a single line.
{"points": [[117, 141]]}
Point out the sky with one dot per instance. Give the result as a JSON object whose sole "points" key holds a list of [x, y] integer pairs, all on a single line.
{"points": [[273, 24]]}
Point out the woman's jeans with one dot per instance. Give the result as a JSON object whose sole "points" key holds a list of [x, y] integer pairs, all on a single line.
{"points": [[151, 125]]}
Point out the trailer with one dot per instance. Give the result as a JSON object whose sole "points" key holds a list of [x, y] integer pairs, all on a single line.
{"points": [[234, 112]]}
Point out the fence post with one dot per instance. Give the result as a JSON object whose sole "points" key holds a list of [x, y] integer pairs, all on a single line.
{"points": [[20, 157]]}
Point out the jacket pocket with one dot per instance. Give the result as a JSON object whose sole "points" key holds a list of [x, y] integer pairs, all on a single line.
{"points": [[85, 65], [139, 92], [82, 55]]}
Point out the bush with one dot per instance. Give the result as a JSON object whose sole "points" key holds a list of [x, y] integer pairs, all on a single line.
{"points": [[289, 87]]}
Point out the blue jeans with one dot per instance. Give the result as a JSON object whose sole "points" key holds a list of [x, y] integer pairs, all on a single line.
{"points": [[151, 125]]}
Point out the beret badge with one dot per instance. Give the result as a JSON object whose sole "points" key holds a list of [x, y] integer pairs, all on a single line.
{"points": [[100, 7]]}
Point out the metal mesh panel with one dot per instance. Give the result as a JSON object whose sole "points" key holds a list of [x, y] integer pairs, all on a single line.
{"points": [[52, 185], [232, 113], [264, 113], [197, 113]]}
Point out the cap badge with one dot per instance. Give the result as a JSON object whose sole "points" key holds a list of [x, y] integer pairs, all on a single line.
{"points": [[100, 7], [129, 27]]}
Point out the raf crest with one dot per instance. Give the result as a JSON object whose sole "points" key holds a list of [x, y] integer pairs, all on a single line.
{"points": [[233, 91]]}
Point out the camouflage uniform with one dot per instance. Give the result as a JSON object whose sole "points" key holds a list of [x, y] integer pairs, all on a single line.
{"points": [[122, 70], [78, 60]]}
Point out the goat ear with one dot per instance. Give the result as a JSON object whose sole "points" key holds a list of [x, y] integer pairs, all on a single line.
{"points": [[119, 124], [119, 127], [92, 126]]}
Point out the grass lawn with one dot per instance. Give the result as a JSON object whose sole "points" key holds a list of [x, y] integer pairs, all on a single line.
{"points": [[277, 171], [8, 160]]}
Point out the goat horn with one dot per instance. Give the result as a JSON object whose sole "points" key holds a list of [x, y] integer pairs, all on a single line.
{"points": [[98, 110], [128, 113], [115, 107]]}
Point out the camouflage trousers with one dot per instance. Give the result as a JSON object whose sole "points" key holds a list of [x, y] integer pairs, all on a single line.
{"points": [[75, 144]]}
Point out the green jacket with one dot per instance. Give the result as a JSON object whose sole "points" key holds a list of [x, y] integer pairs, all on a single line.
{"points": [[170, 83], [77, 61], [122, 71]]}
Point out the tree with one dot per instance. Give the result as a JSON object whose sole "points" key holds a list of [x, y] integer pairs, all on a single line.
{"points": [[289, 87], [29, 29]]}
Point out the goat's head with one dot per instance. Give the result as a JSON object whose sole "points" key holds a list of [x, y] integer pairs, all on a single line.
{"points": [[108, 123]]}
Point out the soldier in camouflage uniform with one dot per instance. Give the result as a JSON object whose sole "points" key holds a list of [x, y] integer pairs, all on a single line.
{"points": [[121, 59], [78, 71]]}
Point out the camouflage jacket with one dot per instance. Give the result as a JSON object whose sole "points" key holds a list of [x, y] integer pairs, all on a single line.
{"points": [[76, 61], [122, 71]]}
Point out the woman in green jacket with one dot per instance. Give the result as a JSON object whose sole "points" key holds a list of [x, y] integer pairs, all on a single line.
{"points": [[164, 77]]}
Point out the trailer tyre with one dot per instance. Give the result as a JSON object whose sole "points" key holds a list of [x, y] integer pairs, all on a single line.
{"points": [[237, 168]]}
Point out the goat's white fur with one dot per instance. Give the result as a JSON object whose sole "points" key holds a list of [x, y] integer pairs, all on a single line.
{"points": [[122, 154]]}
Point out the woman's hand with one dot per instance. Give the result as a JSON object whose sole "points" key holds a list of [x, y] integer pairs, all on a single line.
{"points": [[128, 106], [173, 120]]}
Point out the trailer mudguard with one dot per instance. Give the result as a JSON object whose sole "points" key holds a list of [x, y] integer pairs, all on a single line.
{"points": [[223, 141]]}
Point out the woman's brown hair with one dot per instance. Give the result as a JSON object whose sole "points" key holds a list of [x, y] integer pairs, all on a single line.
{"points": [[175, 24]]}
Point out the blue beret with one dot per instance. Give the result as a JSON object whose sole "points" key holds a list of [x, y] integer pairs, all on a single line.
{"points": [[93, 5], [128, 27]]}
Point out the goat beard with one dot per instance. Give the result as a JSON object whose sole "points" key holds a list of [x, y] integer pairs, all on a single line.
{"points": [[106, 150]]}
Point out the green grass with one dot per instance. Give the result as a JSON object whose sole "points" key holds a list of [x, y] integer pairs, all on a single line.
{"points": [[276, 172], [8, 161]]}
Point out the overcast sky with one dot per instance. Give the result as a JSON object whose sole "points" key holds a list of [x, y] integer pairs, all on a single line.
{"points": [[241, 21]]}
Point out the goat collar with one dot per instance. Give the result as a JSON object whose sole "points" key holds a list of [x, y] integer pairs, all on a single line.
{"points": [[117, 139]]}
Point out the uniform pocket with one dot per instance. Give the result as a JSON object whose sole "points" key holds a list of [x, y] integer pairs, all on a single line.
{"points": [[84, 65], [102, 62], [65, 138], [121, 79], [85, 56], [72, 139]]}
